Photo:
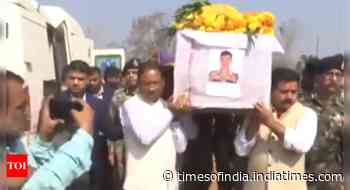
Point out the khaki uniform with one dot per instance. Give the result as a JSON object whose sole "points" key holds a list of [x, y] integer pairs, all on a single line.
{"points": [[326, 156], [117, 148]]}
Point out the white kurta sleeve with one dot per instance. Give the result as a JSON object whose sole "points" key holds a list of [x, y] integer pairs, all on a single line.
{"points": [[189, 127], [301, 138], [242, 145], [179, 137], [184, 129], [147, 122]]}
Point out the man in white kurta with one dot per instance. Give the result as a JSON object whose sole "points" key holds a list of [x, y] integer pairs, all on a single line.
{"points": [[151, 137]]}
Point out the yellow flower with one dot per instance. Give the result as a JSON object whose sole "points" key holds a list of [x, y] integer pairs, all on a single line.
{"points": [[226, 18], [267, 31], [250, 14], [219, 22], [230, 25], [190, 16], [240, 30], [252, 19], [269, 20], [202, 28], [260, 17], [210, 29], [180, 25], [240, 23], [198, 21], [254, 26]]}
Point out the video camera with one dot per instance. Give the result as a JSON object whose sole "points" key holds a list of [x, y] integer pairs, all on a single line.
{"points": [[61, 106]]}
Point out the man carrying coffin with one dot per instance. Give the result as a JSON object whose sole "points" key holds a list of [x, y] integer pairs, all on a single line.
{"points": [[151, 137], [276, 140]]}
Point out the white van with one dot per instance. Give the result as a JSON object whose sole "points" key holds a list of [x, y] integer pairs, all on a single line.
{"points": [[36, 42], [103, 58]]}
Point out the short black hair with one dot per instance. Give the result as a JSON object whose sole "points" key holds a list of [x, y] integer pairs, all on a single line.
{"points": [[111, 71], [224, 53], [149, 66], [12, 76], [284, 74], [79, 66], [94, 70]]}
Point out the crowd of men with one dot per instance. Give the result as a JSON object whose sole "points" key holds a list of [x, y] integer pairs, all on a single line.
{"points": [[126, 135]]}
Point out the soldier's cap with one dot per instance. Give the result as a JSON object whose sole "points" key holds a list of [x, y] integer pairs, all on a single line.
{"points": [[132, 64], [329, 63], [310, 65]]}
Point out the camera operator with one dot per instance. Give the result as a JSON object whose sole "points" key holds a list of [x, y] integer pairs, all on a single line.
{"points": [[49, 168], [71, 160]]}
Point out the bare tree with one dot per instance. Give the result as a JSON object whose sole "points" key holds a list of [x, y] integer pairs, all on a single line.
{"points": [[288, 32], [149, 33]]}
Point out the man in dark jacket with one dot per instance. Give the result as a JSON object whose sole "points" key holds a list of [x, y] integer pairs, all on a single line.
{"points": [[96, 86], [77, 81]]}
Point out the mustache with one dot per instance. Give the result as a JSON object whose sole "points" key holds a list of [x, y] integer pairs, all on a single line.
{"points": [[288, 101], [285, 103], [334, 84]]}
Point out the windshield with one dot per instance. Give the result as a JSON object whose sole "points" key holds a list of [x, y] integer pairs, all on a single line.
{"points": [[104, 61]]}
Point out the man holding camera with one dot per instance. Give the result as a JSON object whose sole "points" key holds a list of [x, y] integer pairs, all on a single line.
{"points": [[46, 163]]}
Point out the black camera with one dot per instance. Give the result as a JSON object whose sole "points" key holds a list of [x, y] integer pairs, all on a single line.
{"points": [[61, 106]]}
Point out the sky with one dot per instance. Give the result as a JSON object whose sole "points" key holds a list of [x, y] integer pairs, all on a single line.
{"points": [[107, 21]]}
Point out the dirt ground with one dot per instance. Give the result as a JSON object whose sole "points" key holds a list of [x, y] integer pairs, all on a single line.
{"points": [[214, 184]]}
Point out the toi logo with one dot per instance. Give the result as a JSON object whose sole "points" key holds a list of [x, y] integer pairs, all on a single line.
{"points": [[16, 165]]}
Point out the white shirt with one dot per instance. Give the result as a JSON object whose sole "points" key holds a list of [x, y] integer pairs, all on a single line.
{"points": [[299, 139], [152, 140], [99, 94], [149, 121], [84, 97]]}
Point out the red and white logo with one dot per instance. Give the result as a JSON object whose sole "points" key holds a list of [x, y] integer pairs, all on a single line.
{"points": [[16, 165]]}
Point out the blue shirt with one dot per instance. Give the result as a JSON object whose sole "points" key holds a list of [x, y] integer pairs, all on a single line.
{"points": [[17, 147], [57, 168]]}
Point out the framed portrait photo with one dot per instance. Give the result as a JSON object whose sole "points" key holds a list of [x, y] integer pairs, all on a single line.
{"points": [[224, 71], [217, 72]]}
